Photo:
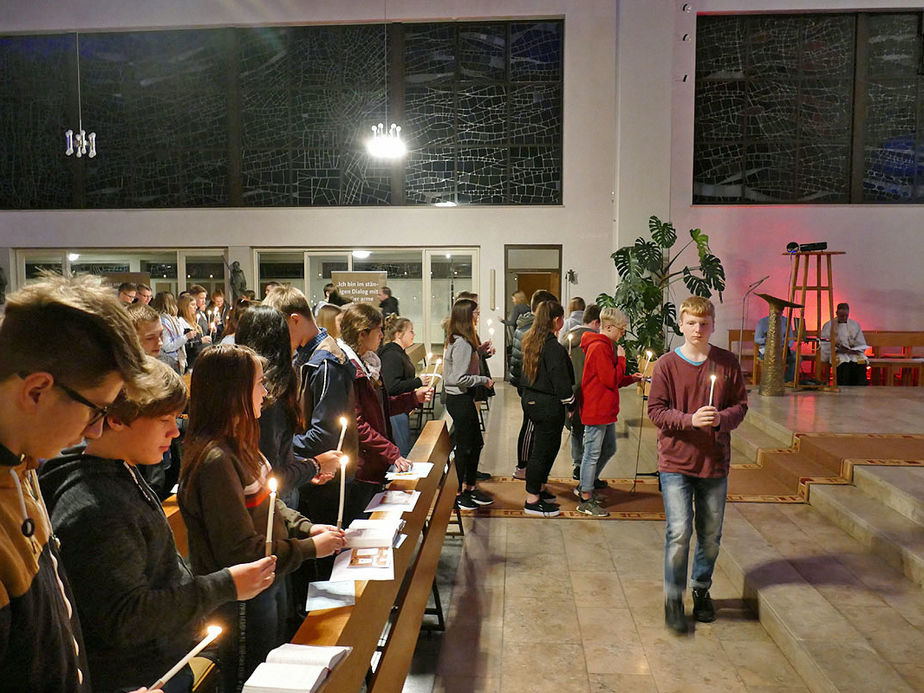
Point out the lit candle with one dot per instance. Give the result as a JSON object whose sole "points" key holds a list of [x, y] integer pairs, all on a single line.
{"points": [[269, 517], [213, 632], [489, 322], [343, 428], [343, 463], [491, 332], [648, 355], [570, 337], [437, 366], [711, 388]]}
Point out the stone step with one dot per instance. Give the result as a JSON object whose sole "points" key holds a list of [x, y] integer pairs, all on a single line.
{"points": [[786, 561], [748, 439], [783, 437], [887, 533], [900, 488], [791, 467]]}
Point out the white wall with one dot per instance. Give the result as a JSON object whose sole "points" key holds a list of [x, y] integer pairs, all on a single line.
{"points": [[880, 275]]}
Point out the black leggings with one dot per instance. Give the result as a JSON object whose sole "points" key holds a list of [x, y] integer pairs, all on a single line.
{"points": [[468, 439], [548, 420], [525, 439]]}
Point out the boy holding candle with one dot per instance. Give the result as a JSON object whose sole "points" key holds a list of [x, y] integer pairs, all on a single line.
{"points": [[46, 403], [694, 452], [139, 603]]}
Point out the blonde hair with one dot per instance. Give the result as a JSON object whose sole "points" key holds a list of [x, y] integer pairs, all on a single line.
{"points": [[519, 296], [614, 317], [288, 300], [186, 309], [160, 391], [700, 306], [327, 318], [395, 325]]}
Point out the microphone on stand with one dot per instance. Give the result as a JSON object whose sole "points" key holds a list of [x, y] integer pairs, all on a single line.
{"points": [[744, 310]]}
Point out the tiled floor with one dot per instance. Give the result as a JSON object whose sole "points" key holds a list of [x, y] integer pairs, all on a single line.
{"points": [[544, 605]]}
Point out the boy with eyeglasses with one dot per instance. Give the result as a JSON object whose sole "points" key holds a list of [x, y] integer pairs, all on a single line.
{"points": [[49, 401]]}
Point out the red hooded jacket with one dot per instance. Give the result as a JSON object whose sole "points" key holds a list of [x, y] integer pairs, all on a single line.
{"points": [[604, 374]]}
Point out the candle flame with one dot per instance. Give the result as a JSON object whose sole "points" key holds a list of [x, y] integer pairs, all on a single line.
{"points": [[439, 361], [429, 355], [712, 377], [570, 336], [344, 460], [213, 631], [649, 354], [272, 484], [489, 322], [343, 421]]}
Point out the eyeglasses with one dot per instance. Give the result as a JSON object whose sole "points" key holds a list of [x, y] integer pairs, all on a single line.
{"points": [[99, 413]]}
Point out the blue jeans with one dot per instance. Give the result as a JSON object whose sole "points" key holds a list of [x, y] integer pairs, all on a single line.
{"points": [[401, 433], [681, 494], [599, 447]]}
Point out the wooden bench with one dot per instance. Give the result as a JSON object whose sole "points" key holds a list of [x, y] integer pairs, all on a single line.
{"points": [[750, 361], [895, 353], [402, 600]]}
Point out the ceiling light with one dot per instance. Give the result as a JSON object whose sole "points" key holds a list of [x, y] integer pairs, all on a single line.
{"points": [[361, 254], [73, 257]]}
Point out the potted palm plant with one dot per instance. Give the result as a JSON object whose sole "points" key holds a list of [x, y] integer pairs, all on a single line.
{"points": [[647, 271]]}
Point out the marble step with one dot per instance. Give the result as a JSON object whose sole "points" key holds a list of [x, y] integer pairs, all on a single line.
{"points": [[900, 488], [782, 436], [785, 575], [887, 533], [748, 439]]}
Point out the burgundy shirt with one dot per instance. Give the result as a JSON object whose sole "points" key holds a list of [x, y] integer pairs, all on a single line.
{"points": [[678, 389]]}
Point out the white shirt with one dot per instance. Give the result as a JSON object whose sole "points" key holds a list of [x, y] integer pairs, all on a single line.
{"points": [[847, 334]]}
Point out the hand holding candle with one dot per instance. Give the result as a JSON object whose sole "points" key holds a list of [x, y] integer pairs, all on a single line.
{"points": [[343, 463], [269, 517], [213, 632]]}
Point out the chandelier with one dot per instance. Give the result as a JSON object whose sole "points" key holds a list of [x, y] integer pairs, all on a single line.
{"points": [[79, 143], [386, 142]]}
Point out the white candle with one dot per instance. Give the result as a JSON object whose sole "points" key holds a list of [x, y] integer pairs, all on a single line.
{"points": [[269, 517], [213, 632], [711, 388], [343, 463], [436, 367], [491, 332], [648, 355], [570, 337], [343, 428]]}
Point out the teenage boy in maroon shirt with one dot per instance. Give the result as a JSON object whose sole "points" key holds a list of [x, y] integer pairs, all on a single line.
{"points": [[694, 450]]}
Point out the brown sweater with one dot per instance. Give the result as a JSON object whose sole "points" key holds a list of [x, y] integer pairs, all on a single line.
{"points": [[225, 515], [678, 389]]}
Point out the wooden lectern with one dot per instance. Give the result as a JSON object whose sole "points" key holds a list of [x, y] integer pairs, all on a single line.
{"points": [[771, 372]]}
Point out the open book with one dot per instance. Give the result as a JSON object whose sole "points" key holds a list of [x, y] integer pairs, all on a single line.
{"points": [[294, 669], [363, 534]]}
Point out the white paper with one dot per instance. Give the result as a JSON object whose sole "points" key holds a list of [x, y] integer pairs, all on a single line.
{"points": [[297, 678], [419, 470], [393, 500], [343, 572], [310, 655], [330, 595], [400, 540]]}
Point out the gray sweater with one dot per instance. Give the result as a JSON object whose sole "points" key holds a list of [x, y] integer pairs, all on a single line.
{"points": [[461, 367]]}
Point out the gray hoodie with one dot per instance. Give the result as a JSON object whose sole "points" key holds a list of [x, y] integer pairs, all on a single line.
{"points": [[461, 367]]}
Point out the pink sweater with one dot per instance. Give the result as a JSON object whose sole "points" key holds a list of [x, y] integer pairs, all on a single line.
{"points": [[678, 389]]}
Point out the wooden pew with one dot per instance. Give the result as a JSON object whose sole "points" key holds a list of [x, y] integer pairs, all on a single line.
{"points": [[895, 353], [361, 625]]}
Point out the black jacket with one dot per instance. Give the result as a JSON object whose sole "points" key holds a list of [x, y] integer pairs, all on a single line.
{"points": [[398, 374], [555, 375], [389, 306], [140, 606]]}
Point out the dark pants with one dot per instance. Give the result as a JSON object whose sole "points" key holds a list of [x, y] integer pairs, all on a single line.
{"points": [[547, 416], [524, 439], [252, 629], [850, 373], [468, 437]]}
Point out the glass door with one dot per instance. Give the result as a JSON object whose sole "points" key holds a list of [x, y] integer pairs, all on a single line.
{"points": [[448, 272]]}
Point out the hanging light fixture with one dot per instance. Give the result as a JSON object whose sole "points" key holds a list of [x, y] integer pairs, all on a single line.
{"points": [[79, 143], [386, 142]]}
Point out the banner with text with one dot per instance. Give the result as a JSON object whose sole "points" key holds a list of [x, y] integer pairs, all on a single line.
{"points": [[359, 287]]}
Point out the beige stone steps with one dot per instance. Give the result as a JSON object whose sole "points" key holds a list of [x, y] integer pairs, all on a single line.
{"points": [[785, 561], [899, 488], [887, 533]]}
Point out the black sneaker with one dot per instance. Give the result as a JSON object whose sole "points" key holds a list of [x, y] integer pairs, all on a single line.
{"points": [[482, 476], [480, 497], [703, 608], [674, 617], [541, 509], [548, 497], [576, 474], [600, 483], [464, 501]]}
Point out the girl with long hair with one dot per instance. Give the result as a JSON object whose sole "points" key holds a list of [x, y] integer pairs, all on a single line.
{"points": [[461, 373], [546, 391], [398, 373], [241, 306], [186, 315], [173, 351], [224, 499], [361, 332]]}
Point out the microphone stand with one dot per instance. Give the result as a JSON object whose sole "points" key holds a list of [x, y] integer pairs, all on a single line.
{"points": [[744, 311]]}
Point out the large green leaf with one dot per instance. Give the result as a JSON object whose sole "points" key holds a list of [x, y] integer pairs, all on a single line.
{"points": [[695, 284], [606, 301], [669, 314], [648, 254], [713, 272], [702, 242], [627, 264], [662, 232]]}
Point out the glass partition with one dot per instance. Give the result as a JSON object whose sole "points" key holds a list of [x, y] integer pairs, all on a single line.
{"points": [[207, 270], [285, 268], [320, 265], [404, 276], [451, 271]]}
